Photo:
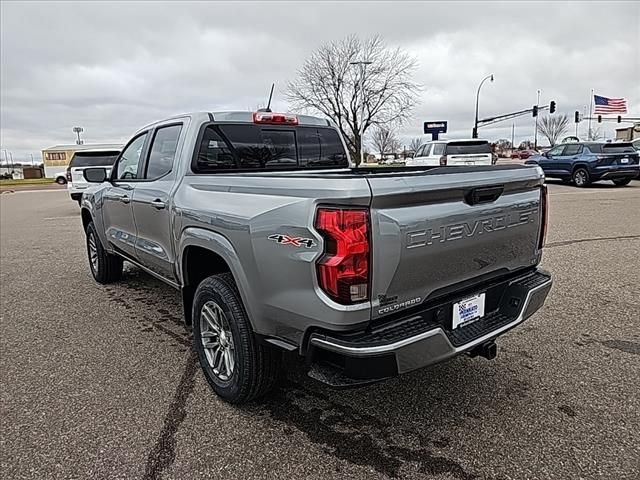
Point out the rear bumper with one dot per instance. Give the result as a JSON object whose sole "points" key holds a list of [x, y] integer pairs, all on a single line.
{"points": [[425, 338], [616, 172]]}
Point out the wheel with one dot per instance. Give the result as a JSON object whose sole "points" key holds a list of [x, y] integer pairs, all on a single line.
{"points": [[580, 177], [105, 267], [621, 182], [61, 180], [236, 366]]}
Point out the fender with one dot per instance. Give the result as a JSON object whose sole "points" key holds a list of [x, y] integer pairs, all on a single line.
{"points": [[220, 245], [92, 204]]}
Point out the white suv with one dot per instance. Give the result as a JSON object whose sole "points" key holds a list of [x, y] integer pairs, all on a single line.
{"points": [[452, 152], [83, 159]]}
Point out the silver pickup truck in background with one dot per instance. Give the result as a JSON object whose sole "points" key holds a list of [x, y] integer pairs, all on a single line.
{"points": [[279, 245]]}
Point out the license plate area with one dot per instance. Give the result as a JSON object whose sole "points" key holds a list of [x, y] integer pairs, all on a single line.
{"points": [[468, 310]]}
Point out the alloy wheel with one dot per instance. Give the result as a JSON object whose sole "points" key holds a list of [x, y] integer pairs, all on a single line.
{"points": [[217, 340]]}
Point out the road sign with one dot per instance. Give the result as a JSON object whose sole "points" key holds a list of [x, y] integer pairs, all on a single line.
{"points": [[435, 128]]}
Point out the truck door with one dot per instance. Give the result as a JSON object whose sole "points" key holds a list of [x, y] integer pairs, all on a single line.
{"points": [[117, 215], [152, 202]]}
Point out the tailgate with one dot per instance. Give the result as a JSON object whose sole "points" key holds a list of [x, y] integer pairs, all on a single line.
{"points": [[447, 229], [469, 159]]}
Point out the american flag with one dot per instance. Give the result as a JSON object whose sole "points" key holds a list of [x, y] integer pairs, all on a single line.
{"points": [[606, 105]]}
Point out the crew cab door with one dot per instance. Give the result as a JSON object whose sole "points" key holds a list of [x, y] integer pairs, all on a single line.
{"points": [[152, 201], [119, 224]]}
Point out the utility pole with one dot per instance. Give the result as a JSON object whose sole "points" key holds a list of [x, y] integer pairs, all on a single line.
{"points": [[31, 159], [535, 135], [474, 134], [513, 131], [78, 131], [590, 114], [363, 65]]}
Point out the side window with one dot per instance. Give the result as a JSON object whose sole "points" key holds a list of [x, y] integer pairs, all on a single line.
{"points": [[572, 149], [438, 149], [420, 151], [163, 151], [427, 150], [556, 150], [130, 159]]}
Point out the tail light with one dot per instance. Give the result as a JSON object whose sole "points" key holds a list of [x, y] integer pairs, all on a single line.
{"points": [[544, 215], [275, 118], [443, 161], [68, 174], [344, 269]]}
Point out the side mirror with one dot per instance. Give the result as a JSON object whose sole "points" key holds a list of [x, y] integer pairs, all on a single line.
{"points": [[95, 175]]}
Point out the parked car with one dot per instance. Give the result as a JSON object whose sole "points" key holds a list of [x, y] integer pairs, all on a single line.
{"points": [[452, 153], [523, 154], [61, 178], [584, 163], [278, 245], [82, 159]]}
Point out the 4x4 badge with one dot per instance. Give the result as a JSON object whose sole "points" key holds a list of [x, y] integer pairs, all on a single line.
{"points": [[295, 241]]}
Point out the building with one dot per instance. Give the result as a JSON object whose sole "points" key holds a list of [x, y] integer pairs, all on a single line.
{"points": [[57, 158], [627, 134]]}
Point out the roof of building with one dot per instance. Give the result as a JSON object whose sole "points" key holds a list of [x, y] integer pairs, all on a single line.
{"points": [[86, 146]]}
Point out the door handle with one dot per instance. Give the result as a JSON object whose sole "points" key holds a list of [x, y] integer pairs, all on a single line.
{"points": [[158, 204], [124, 199]]}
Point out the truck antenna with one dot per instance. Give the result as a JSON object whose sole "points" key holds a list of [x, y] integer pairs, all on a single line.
{"points": [[268, 108]]}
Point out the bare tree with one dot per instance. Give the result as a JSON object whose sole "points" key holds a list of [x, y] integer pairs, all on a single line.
{"points": [[384, 141], [553, 127], [415, 144], [526, 145], [328, 84], [596, 134]]}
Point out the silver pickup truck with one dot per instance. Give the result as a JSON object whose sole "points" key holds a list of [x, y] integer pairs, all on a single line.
{"points": [[279, 245]]}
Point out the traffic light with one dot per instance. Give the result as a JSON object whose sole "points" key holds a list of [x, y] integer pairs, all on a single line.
{"points": [[552, 107], [619, 118], [535, 111], [577, 117], [599, 118]]}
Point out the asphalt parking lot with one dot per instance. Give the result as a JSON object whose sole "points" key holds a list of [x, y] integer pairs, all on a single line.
{"points": [[100, 382]]}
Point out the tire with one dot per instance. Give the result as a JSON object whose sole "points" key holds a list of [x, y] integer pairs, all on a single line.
{"points": [[61, 181], [621, 182], [580, 177], [246, 369], [105, 267]]}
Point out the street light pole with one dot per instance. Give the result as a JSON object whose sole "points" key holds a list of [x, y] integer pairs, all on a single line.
{"points": [[475, 125], [535, 134], [363, 65]]}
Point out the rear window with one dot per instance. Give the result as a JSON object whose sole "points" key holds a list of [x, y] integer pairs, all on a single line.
{"points": [[458, 148], [255, 147], [617, 148], [93, 159], [611, 148]]}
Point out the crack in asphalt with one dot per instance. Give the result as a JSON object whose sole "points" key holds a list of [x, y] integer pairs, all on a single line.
{"points": [[358, 438], [583, 240], [163, 453]]}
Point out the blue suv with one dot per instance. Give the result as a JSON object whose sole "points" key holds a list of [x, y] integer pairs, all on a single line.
{"points": [[583, 163]]}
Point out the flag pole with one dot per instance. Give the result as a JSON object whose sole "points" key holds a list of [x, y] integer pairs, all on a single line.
{"points": [[590, 114]]}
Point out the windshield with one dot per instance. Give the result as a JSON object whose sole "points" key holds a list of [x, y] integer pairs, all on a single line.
{"points": [[458, 148], [93, 159], [254, 147]]}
